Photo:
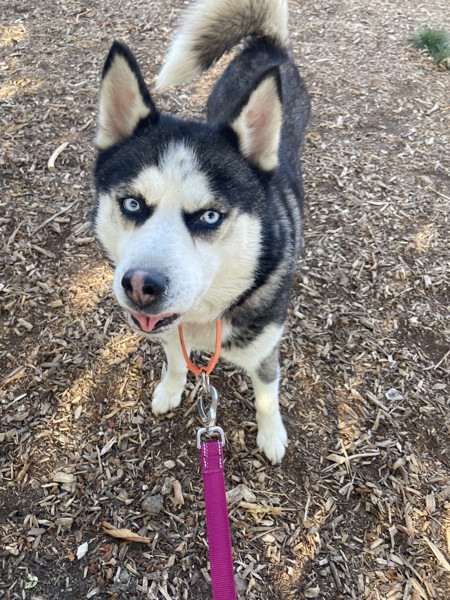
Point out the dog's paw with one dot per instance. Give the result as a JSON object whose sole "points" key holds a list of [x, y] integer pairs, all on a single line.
{"points": [[272, 440], [165, 398]]}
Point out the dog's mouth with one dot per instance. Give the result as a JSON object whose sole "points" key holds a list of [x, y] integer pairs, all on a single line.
{"points": [[153, 323]]}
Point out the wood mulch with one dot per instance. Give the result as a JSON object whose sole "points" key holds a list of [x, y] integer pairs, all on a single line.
{"points": [[360, 506]]}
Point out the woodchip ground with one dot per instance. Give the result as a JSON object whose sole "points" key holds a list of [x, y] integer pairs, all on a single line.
{"points": [[360, 506]]}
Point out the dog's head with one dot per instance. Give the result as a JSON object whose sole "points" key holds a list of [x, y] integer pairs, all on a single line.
{"points": [[180, 205]]}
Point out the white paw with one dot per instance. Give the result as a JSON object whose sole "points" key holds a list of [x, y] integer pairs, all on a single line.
{"points": [[272, 439], [165, 398]]}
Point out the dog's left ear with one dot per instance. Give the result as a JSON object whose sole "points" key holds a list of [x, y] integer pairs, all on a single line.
{"points": [[258, 124], [124, 98]]}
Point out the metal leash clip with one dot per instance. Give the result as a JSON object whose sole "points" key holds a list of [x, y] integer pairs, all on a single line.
{"points": [[208, 417]]}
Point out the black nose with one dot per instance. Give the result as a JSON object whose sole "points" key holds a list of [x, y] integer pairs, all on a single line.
{"points": [[143, 287]]}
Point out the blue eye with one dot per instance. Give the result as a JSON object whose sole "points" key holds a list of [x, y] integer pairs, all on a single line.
{"points": [[135, 209], [203, 222], [131, 205], [210, 217]]}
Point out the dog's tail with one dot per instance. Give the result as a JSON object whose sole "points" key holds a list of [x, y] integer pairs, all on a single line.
{"points": [[212, 27]]}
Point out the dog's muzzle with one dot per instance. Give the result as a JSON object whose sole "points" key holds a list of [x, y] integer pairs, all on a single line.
{"points": [[144, 288]]}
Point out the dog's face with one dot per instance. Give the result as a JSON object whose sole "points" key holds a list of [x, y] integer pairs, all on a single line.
{"points": [[181, 248], [177, 205]]}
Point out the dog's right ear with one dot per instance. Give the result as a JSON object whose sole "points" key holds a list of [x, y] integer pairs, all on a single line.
{"points": [[124, 98]]}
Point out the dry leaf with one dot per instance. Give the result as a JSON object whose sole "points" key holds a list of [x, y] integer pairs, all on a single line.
{"points": [[124, 534]]}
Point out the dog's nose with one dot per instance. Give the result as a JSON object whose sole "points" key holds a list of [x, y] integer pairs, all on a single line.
{"points": [[143, 287]]}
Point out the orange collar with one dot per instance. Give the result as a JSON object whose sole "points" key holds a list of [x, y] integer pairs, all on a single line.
{"points": [[215, 357]]}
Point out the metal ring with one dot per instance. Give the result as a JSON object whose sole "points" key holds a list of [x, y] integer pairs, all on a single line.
{"points": [[208, 417]]}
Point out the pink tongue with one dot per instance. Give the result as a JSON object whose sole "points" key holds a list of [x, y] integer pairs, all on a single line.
{"points": [[148, 323]]}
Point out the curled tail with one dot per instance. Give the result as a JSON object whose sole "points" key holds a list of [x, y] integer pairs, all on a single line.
{"points": [[212, 27]]}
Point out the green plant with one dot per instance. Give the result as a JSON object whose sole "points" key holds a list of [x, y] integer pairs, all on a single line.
{"points": [[436, 42]]}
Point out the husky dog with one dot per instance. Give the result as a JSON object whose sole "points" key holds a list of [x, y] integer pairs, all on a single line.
{"points": [[203, 220]]}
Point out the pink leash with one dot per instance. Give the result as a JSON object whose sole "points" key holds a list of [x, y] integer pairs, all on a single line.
{"points": [[217, 524], [211, 460]]}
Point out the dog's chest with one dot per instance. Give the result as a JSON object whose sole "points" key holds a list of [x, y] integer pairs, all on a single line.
{"points": [[202, 337], [245, 355]]}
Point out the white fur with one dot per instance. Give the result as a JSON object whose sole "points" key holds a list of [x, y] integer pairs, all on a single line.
{"points": [[272, 437], [205, 276], [206, 18], [169, 390]]}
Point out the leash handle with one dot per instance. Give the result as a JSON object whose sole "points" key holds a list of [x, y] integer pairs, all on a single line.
{"points": [[217, 524]]}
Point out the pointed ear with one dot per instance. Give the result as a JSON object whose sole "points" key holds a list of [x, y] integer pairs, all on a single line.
{"points": [[124, 98], [258, 124]]}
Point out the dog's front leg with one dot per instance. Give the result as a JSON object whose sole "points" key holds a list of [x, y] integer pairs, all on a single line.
{"points": [[169, 390], [272, 436]]}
